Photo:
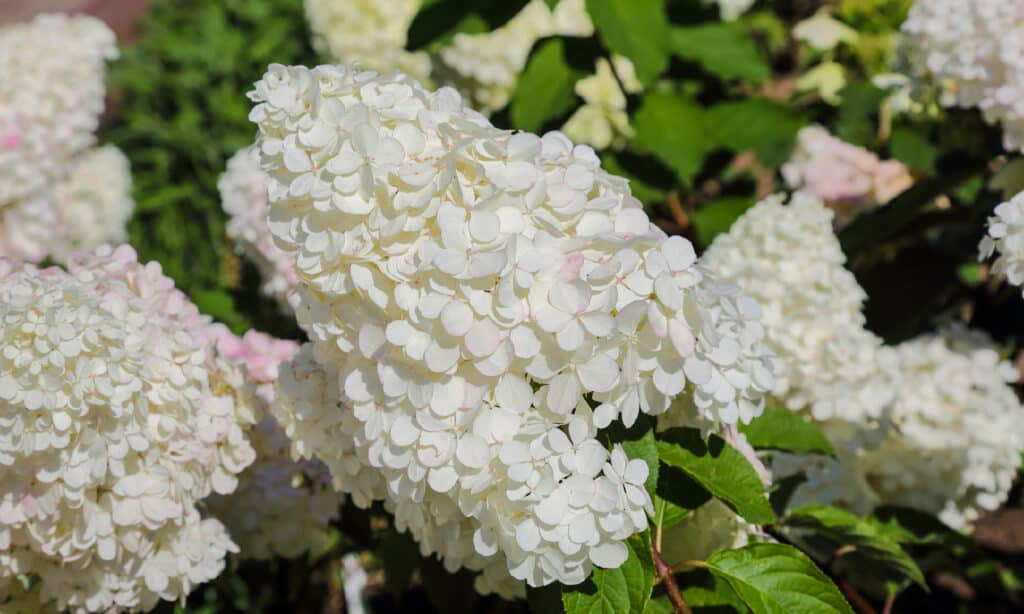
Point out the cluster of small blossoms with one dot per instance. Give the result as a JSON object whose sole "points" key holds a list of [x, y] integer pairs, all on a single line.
{"points": [[1006, 238], [281, 507], [481, 302], [602, 120], [372, 33], [929, 423], [974, 53], [486, 67], [56, 195], [787, 257], [119, 417], [850, 179], [243, 193]]}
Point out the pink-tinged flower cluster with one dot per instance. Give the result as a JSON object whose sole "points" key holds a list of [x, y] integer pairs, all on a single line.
{"points": [[282, 507], [118, 417], [243, 193], [481, 303], [57, 193], [849, 179]]}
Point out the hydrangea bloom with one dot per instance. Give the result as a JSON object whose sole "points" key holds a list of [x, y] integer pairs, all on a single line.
{"points": [[52, 71], [788, 259], [118, 418], [281, 507], [94, 202], [56, 195], [1006, 237], [974, 52], [850, 179], [370, 32], [602, 120], [467, 290], [954, 444], [243, 193], [486, 66]]}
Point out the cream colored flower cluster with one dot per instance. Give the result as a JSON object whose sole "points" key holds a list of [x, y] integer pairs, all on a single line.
{"points": [[243, 193], [602, 120], [370, 32], [486, 67], [468, 292], [850, 179], [974, 53], [1005, 238], [930, 423], [281, 507], [118, 418], [787, 257], [57, 196]]}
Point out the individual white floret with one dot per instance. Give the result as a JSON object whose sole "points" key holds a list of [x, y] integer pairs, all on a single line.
{"points": [[118, 418], [466, 290], [1005, 238], [52, 72], [974, 53], [243, 193]]}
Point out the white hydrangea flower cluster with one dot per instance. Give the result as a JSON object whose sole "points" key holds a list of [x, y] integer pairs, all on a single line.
{"points": [[788, 259], [602, 120], [118, 418], [243, 193], [370, 32], [930, 423], [56, 195], [94, 202], [486, 67], [471, 293], [1005, 237], [850, 179], [974, 53], [281, 507]]}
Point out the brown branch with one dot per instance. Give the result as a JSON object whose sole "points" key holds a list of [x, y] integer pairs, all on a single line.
{"points": [[666, 579], [890, 600], [857, 600], [675, 207]]}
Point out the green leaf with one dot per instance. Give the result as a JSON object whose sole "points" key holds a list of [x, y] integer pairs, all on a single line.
{"points": [[715, 217], [670, 126], [545, 90], [847, 529], [783, 489], [551, 4], [720, 469], [637, 29], [778, 579], [703, 589], [616, 591], [914, 527], [545, 600], [760, 124], [860, 102], [723, 49], [913, 149], [781, 429]]}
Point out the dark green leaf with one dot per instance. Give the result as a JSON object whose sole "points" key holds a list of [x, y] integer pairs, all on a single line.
{"points": [[545, 90], [859, 103], [720, 469], [551, 4], [760, 124], [778, 579], [846, 529], [913, 149], [715, 217], [703, 589], [637, 29], [914, 527], [545, 600], [723, 49], [616, 591], [670, 126], [782, 491], [781, 429], [677, 495]]}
